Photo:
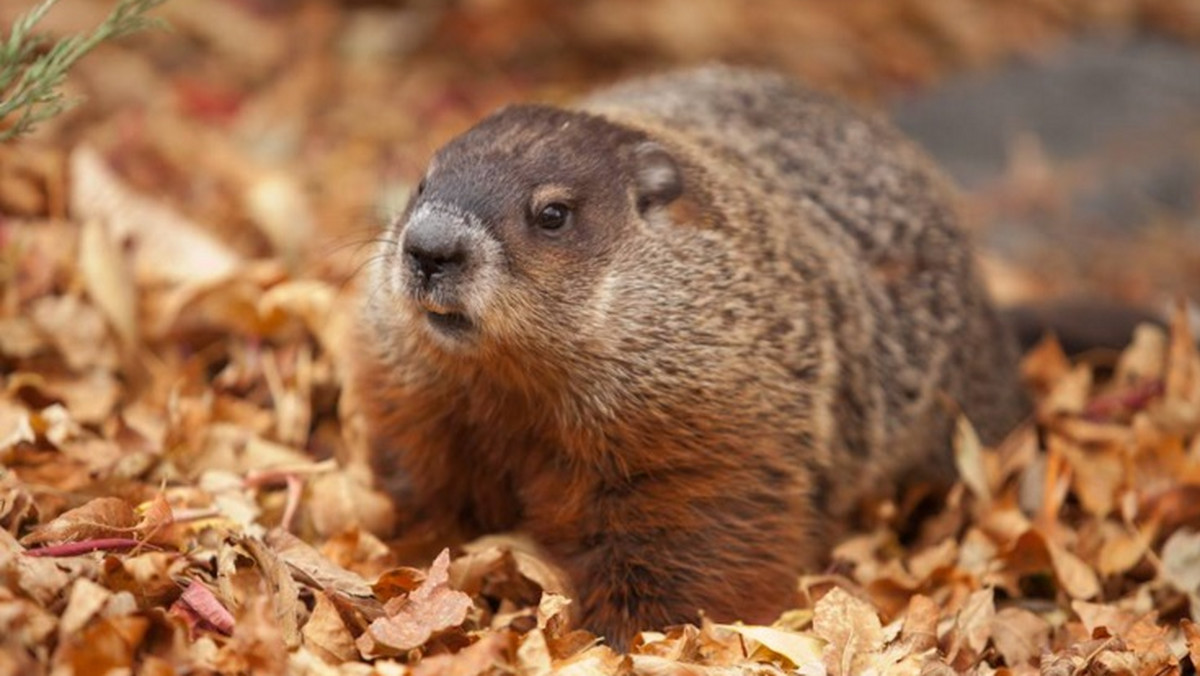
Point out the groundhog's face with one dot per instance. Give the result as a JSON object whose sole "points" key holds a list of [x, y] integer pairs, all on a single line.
{"points": [[515, 229]]}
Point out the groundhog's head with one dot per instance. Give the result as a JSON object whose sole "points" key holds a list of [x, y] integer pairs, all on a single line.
{"points": [[515, 229]]}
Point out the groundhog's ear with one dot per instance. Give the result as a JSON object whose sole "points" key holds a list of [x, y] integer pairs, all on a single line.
{"points": [[658, 179]]}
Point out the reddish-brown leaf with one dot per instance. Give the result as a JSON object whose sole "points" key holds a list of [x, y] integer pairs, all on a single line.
{"points": [[411, 620]]}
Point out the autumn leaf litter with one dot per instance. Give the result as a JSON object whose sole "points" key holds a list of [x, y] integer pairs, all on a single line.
{"points": [[148, 530], [183, 485]]}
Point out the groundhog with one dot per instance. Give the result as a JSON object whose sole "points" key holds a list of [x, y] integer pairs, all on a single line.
{"points": [[675, 334]]}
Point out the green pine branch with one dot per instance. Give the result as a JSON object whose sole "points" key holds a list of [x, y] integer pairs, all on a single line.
{"points": [[31, 77]]}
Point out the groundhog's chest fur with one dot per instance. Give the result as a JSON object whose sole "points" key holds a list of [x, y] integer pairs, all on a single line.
{"points": [[671, 334]]}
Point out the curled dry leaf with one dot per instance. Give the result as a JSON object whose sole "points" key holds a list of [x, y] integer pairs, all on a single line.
{"points": [[1145, 359], [411, 620], [99, 518], [481, 657], [971, 461], [167, 246], [1181, 562], [340, 501], [198, 599], [326, 633], [972, 627], [1045, 365], [1191, 634], [239, 378], [108, 281], [283, 591], [256, 646], [533, 655], [85, 600], [851, 630], [920, 623], [106, 646], [1068, 396], [801, 650], [1019, 636], [157, 516], [509, 565], [16, 426], [307, 564]]}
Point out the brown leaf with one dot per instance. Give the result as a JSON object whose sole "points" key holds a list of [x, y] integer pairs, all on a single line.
{"points": [[85, 600], [167, 246], [1076, 577], [1019, 635], [481, 657], [1103, 616], [106, 274], [326, 633], [1148, 641], [1181, 561], [533, 655], [256, 646], [1068, 396], [1098, 473], [920, 623], [1122, 547], [850, 627], [799, 649], [340, 501], [507, 566], [156, 517], [78, 331], [284, 593], [1045, 365], [1145, 358], [100, 518], [315, 570], [972, 626], [106, 646], [1192, 634], [411, 621], [970, 460]]}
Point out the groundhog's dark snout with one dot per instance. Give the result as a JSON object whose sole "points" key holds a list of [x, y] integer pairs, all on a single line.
{"points": [[434, 249]]}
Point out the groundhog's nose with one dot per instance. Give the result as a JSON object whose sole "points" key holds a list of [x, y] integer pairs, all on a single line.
{"points": [[433, 249]]}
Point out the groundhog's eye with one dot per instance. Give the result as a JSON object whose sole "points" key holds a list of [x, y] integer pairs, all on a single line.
{"points": [[553, 216], [421, 187]]}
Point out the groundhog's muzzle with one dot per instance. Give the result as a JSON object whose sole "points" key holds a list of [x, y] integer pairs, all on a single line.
{"points": [[440, 255]]}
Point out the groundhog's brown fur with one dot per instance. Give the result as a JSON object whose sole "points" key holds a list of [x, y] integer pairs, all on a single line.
{"points": [[673, 334]]}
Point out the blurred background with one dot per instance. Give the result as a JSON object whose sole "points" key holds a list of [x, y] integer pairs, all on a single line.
{"points": [[292, 128]]}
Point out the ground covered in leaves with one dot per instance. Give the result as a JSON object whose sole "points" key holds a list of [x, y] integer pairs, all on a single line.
{"points": [[182, 486]]}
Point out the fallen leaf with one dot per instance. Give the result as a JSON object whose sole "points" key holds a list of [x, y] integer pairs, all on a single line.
{"points": [[283, 590], [106, 276], [920, 623], [850, 628], [483, 657], [85, 600], [326, 633], [1181, 561], [167, 246], [799, 649], [970, 461], [99, 518], [1019, 635], [200, 600], [410, 621], [315, 570]]}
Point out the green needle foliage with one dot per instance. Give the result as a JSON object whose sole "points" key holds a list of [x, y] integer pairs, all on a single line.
{"points": [[31, 75]]}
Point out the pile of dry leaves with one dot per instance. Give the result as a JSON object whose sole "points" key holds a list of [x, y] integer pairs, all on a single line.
{"points": [[179, 493], [182, 485]]}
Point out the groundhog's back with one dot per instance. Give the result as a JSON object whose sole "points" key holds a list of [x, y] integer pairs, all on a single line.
{"points": [[866, 217]]}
